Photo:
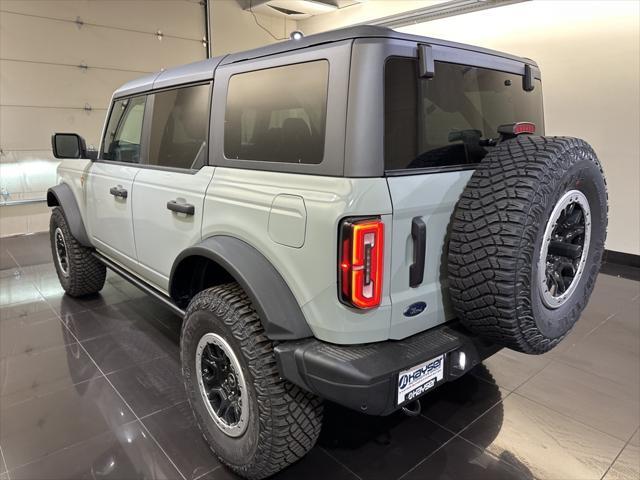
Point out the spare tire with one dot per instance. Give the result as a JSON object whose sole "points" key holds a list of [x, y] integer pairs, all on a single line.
{"points": [[526, 241]]}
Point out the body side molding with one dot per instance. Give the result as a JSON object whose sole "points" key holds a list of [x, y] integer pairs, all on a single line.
{"points": [[279, 311], [61, 195]]}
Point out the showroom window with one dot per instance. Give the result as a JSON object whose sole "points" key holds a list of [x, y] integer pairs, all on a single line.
{"points": [[122, 138], [180, 127], [278, 114], [451, 119]]}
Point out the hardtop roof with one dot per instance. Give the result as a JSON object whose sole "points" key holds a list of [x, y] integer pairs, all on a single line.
{"points": [[204, 69]]}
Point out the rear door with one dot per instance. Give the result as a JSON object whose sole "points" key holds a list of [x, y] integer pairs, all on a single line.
{"points": [[168, 193], [110, 181], [436, 131]]}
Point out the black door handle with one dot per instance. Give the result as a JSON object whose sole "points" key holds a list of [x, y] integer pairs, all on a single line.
{"points": [[185, 208], [118, 192], [419, 236]]}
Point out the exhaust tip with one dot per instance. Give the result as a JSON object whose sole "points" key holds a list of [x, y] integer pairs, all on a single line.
{"points": [[412, 409]]}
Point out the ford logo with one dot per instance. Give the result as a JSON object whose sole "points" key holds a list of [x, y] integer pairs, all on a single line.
{"points": [[415, 309]]}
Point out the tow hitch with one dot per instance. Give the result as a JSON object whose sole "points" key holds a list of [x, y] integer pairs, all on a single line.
{"points": [[412, 409]]}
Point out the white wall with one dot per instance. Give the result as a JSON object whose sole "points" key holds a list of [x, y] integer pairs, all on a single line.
{"points": [[43, 90], [234, 29], [589, 54]]}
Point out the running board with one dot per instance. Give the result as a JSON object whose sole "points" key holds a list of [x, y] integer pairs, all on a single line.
{"points": [[141, 284]]}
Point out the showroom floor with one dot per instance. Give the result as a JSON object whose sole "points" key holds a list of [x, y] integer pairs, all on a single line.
{"points": [[92, 389]]}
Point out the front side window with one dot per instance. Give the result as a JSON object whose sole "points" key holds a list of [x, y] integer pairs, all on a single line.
{"points": [[179, 128], [453, 118], [122, 137], [278, 114]]}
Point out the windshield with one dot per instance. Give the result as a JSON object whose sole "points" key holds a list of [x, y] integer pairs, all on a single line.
{"points": [[451, 119]]}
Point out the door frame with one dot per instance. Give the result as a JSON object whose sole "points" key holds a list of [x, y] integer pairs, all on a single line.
{"points": [[145, 136]]}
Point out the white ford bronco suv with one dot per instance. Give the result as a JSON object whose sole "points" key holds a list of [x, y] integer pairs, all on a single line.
{"points": [[357, 216]]}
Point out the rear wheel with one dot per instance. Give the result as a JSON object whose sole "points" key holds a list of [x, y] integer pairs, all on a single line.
{"points": [[79, 272], [526, 241], [255, 422]]}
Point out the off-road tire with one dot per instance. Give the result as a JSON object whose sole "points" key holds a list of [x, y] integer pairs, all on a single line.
{"points": [[284, 421], [497, 232], [86, 275]]}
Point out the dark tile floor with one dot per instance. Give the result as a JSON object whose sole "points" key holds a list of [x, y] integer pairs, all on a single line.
{"points": [[92, 389]]}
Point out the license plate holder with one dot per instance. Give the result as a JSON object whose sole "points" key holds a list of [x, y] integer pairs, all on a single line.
{"points": [[419, 379]]}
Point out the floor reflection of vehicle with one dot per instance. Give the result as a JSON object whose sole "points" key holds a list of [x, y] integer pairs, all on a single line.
{"points": [[123, 453], [78, 371], [344, 431], [124, 450]]}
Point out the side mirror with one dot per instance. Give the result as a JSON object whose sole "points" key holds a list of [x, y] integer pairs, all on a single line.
{"points": [[68, 145]]}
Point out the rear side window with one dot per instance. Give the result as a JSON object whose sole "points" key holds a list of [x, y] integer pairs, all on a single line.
{"points": [[122, 137], [179, 128], [278, 114], [451, 119]]}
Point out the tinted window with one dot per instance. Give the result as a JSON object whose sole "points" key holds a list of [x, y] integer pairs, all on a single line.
{"points": [[278, 114], [451, 119], [179, 128], [122, 138]]}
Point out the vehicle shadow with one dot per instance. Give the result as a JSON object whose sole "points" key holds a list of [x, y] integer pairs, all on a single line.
{"points": [[452, 407]]}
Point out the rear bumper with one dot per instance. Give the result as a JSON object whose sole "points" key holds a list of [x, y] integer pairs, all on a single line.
{"points": [[365, 377]]}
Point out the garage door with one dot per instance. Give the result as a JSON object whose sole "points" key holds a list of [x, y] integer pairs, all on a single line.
{"points": [[59, 63]]}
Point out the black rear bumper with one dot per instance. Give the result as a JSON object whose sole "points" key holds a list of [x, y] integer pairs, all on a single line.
{"points": [[365, 377]]}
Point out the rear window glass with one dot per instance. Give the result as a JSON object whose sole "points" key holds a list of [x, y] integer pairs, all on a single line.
{"points": [[179, 128], [452, 118], [278, 114]]}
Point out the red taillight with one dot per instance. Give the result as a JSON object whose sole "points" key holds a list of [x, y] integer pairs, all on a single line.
{"points": [[524, 127], [361, 261], [511, 129]]}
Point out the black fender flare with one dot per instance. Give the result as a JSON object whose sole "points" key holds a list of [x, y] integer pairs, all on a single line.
{"points": [[62, 196], [279, 311]]}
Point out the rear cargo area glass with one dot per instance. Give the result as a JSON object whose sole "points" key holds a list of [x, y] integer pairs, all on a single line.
{"points": [[451, 119], [278, 114]]}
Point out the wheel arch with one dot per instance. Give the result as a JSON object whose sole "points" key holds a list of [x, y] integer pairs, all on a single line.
{"points": [[221, 259], [62, 196]]}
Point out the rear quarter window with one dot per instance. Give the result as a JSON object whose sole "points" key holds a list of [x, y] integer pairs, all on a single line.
{"points": [[278, 114], [179, 127], [451, 119]]}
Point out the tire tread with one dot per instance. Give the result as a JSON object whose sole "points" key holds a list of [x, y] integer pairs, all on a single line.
{"points": [[493, 232], [86, 273], [290, 418]]}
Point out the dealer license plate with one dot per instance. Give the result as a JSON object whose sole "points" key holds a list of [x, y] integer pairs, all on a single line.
{"points": [[417, 380]]}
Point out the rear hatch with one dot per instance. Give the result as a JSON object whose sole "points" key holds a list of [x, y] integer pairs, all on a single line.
{"points": [[436, 131]]}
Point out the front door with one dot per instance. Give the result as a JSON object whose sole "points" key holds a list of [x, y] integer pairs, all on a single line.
{"points": [[168, 195], [110, 181]]}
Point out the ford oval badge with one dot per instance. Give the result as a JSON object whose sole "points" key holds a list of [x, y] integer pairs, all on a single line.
{"points": [[415, 309]]}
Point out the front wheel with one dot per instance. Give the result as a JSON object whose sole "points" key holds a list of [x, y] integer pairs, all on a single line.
{"points": [[79, 272], [254, 421]]}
